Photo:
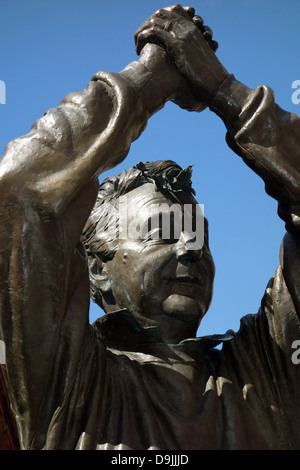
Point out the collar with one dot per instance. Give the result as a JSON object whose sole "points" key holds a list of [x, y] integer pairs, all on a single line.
{"points": [[124, 330]]}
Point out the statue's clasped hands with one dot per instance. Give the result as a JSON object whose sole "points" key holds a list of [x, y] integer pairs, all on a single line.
{"points": [[190, 45], [171, 20]]}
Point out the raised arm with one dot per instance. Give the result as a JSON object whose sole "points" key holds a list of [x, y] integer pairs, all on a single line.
{"points": [[268, 140], [48, 185], [87, 133], [263, 134]]}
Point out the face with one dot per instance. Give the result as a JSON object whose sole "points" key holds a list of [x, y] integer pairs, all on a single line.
{"points": [[165, 277]]}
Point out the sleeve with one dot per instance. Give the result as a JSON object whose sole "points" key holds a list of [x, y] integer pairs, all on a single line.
{"points": [[268, 140], [48, 185], [87, 133], [264, 135]]}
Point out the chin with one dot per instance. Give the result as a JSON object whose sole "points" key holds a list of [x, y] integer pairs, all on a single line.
{"points": [[183, 308]]}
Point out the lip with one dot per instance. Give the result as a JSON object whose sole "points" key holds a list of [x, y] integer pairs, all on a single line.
{"points": [[187, 280]]}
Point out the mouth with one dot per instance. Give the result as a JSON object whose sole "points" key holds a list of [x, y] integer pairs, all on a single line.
{"points": [[187, 281]]}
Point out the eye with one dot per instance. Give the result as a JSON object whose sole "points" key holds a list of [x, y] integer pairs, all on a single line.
{"points": [[158, 235], [162, 229], [153, 234]]}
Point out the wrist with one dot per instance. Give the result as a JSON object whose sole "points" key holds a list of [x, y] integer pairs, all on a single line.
{"points": [[201, 67], [230, 100], [154, 77]]}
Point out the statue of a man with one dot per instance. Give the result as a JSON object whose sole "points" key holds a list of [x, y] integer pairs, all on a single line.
{"points": [[139, 378]]}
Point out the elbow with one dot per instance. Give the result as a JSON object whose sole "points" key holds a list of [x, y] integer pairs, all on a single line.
{"points": [[19, 192], [29, 182]]}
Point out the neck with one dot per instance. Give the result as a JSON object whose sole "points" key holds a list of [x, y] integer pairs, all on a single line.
{"points": [[173, 330]]}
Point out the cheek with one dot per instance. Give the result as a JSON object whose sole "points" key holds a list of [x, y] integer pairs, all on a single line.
{"points": [[138, 273], [128, 276], [153, 284]]}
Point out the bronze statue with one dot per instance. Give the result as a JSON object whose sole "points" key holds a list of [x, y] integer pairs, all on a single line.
{"points": [[139, 378]]}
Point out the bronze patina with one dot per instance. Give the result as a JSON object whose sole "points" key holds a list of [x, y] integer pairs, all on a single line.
{"points": [[139, 377]]}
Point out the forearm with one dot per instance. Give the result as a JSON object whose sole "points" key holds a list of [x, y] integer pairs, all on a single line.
{"points": [[230, 99], [89, 132], [154, 78], [264, 135], [70, 145]]}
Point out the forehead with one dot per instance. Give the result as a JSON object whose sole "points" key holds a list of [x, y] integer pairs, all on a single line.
{"points": [[146, 203], [146, 208], [146, 197]]}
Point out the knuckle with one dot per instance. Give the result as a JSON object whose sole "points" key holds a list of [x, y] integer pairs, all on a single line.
{"points": [[207, 32], [198, 21], [177, 7], [159, 13], [151, 26], [190, 11]]}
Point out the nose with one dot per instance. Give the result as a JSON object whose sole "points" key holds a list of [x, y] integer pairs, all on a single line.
{"points": [[187, 249]]}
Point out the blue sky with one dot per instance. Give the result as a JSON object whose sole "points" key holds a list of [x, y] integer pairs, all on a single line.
{"points": [[50, 48]]}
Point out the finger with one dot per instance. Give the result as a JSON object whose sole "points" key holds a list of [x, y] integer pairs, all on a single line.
{"points": [[151, 22], [153, 35], [164, 14], [159, 14], [186, 12], [176, 8], [198, 21], [190, 11], [214, 45], [207, 32]]}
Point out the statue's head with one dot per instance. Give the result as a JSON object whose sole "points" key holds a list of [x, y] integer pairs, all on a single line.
{"points": [[147, 245]]}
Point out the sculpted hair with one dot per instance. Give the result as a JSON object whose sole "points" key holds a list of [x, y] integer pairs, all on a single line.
{"points": [[100, 235]]}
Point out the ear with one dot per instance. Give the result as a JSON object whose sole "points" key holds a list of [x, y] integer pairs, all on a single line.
{"points": [[99, 273], [101, 288]]}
